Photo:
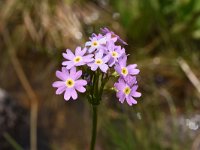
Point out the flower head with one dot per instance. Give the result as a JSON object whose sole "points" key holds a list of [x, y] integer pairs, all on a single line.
{"points": [[126, 91], [125, 70], [102, 58], [69, 83], [78, 59], [99, 62]]}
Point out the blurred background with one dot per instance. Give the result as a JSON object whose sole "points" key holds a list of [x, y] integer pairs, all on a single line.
{"points": [[163, 38]]}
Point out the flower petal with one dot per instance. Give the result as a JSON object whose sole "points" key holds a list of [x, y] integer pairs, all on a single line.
{"points": [[128, 100], [69, 55], [60, 90], [132, 66], [81, 63], [58, 84], [133, 89], [131, 100], [104, 68], [68, 64], [111, 62], [132, 69], [94, 67], [91, 49], [80, 89], [61, 75], [122, 61], [99, 55], [65, 71], [120, 86], [88, 58], [137, 94], [74, 94], [79, 52], [117, 69], [106, 58], [72, 72], [67, 94], [121, 97], [130, 80], [89, 43], [80, 82], [78, 74], [102, 41]]}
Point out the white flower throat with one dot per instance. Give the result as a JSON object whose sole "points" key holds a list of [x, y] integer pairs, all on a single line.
{"points": [[95, 43], [77, 59], [69, 83], [114, 54], [124, 71], [127, 90], [98, 61]]}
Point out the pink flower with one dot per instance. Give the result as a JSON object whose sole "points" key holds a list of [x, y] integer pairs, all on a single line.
{"points": [[69, 83], [101, 58], [80, 58], [127, 91], [124, 70], [96, 42], [100, 62]]}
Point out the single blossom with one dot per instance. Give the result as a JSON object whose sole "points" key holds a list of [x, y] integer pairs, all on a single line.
{"points": [[78, 59], [69, 83], [97, 42], [113, 35], [124, 70], [108, 38], [127, 91], [115, 52], [100, 62]]}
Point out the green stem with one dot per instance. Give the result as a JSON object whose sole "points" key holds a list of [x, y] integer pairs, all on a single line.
{"points": [[12, 141], [94, 127]]}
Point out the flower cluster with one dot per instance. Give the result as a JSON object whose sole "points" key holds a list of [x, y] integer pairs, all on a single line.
{"points": [[101, 56]]}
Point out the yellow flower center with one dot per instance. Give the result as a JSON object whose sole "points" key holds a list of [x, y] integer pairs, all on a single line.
{"points": [[98, 61], [77, 59], [124, 71], [127, 91], [114, 54], [69, 83], [95, 43]]}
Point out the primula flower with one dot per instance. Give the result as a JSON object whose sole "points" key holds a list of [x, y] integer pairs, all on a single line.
{"points": [[100, 62], [96, 42], [127, 91], [124, 70], [113, 35], [78, 59], [115, 53], [69, 83], [100, 54]]}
